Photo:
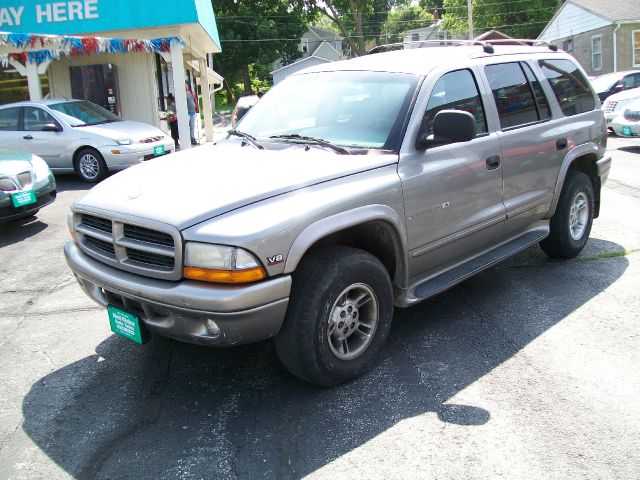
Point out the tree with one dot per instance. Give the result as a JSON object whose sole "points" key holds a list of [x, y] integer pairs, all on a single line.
{"points": [[255, 34], [517, 18], [405, 18]]}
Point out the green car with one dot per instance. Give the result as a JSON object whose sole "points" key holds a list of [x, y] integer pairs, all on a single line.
{"points": [[26, 185]]}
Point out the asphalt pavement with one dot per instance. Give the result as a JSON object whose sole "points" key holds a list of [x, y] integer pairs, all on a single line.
{"points": [[528, 370]]}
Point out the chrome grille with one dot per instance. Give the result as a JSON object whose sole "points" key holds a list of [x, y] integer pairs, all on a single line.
{"points": [[7, 185], [610, 106], [153, 252], [632, 115], [151, 139]]}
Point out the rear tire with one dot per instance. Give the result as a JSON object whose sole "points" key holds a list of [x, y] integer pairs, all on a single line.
{"points": [[90, 165], [571, 224], [338, 317]]}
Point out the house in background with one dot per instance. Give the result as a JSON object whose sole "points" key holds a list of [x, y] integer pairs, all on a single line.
{"points": [[604, 36], [432, 32], [317, 46]]}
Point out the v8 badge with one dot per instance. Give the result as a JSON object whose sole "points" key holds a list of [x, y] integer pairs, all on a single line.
{"points": [[276, 259]]}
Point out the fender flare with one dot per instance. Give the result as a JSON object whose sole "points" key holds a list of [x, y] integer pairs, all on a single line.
{"points": [[351, 218], [572, 155]]}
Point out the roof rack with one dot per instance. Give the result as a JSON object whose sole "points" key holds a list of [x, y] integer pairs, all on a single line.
{"points": [[487, 45]]}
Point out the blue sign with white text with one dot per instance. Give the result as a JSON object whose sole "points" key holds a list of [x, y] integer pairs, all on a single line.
{"points": [[77, 17]]}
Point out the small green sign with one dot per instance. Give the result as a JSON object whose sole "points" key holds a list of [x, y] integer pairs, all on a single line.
{"points": [[127, 325], [626, 131], [23, 198], [158, 150]]}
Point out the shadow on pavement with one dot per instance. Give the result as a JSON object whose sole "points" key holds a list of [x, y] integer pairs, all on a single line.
{"points": [[170, 410], [630, 149], [65, 182], [16, 231]]}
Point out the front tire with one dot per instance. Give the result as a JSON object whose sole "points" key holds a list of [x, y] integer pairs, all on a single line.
{"points": [[571, 224], [338, 317], [90, 165]]}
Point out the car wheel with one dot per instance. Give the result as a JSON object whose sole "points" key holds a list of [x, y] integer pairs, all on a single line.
{"points": [[90, 165], [571, 224], [338, 317]]}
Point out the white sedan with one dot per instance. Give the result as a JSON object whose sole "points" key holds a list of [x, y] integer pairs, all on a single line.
{"points": [[628, 124], [80, 136]]}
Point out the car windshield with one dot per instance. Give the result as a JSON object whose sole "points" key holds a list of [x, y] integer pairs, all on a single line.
{"points": [[604, 82], [80, 113], [347, 108]]}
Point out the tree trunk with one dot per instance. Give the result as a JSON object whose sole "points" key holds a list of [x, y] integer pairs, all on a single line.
{"points": [[247, 79]]}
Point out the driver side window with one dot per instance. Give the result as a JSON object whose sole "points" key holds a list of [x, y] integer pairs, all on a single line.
{"points": [[455, 91], [36, 118]]}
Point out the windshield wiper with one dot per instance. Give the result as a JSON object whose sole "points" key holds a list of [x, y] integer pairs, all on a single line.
{"points": [[245, 136], [317, 141]]}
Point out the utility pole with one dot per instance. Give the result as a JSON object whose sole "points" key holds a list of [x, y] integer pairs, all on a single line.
{"points": [[470, 16]]}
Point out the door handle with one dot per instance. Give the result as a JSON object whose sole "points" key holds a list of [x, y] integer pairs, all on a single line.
{"points": [[28, 137], [493, 162], [561, 144]]}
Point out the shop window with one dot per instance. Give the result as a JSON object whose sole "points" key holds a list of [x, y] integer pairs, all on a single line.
{"points": [[636, 47], [596, 52], [567, 45], [15, 88]]}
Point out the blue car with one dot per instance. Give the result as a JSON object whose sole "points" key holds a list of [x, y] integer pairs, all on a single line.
{"points": [[26, 185]]}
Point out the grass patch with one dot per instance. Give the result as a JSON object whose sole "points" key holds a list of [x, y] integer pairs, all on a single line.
{"points": [[602, 255]]}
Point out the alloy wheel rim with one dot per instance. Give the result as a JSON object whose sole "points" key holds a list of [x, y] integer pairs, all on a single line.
{"points": [[578, 216], [89, 166], [353, 321]]}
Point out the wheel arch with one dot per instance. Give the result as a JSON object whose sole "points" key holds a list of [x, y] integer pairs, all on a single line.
{"points": [[582, 159], [377, 229]]}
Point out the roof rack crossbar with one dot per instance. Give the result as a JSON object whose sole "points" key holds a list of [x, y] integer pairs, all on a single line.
{"points": [[487, 45]]}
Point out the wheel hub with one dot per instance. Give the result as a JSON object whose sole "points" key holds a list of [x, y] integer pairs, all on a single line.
{"points": [[578, 216]]}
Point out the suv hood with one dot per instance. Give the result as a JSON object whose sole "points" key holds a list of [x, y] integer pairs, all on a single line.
{"points": [[194, 185], [125, 128]]}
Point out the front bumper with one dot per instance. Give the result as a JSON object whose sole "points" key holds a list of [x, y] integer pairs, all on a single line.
{"points": [[132, 154], [45, 193], [181, 310], [625, 128]]}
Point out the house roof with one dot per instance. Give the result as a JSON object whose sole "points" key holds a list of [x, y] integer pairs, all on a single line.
{"points": [[613, 10], [325, 34], [312, 59]]}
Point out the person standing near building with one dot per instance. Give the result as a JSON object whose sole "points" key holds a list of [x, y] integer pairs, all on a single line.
{"points": [[192, 109], [172, 120]]}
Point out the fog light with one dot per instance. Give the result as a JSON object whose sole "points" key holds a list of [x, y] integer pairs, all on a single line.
{"points": [[213, 327]]}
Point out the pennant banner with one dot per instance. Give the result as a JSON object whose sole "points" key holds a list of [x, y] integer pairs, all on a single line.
{"points": [[51, 47]]}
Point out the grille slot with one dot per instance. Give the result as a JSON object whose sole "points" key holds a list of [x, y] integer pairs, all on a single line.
{"points": [[632, 115], [151, 259], [25, 179], [98, 223], [610, 106], [7, 185], [149, 236], [100, 245]]}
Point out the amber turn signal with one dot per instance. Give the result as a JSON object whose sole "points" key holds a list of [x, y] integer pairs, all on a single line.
{"points": [[225, 276]]}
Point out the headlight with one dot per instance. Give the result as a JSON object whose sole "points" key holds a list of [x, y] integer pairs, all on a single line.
{"points": [[72, 230], [220, 264], [41, 168], [124, 141]]}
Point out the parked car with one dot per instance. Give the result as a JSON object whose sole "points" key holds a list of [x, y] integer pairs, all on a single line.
{"points": [[243, 105], [628, 124], [26, 185], [615, 105], [611, 83], [79, 136], [349, 189]]}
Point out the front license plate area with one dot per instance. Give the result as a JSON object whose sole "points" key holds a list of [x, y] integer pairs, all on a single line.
{"points": [[158, 150], [626, 131], [20, 199], [128, 325]]}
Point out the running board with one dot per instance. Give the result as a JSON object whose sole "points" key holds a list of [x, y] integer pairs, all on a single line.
{"points": [[448, 279]]}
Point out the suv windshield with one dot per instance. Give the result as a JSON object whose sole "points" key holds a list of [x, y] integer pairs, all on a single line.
{"points": [[350, 109], [80, 113]]}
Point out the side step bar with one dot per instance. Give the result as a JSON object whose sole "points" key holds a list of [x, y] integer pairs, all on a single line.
{"points": [[448, 279]]}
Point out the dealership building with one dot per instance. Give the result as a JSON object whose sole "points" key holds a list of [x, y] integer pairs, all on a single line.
{"points": [[125, 55]]}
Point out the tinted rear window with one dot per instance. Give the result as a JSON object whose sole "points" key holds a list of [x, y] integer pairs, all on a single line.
{"points": [[570, 86]]}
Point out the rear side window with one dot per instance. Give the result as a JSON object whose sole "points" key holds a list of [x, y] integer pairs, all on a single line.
{"points": [[544, 112], [9, 118], [513, 95], [569, 85], [455, 91]]}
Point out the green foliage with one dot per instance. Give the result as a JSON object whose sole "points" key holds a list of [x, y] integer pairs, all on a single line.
{"points": [[516, 18], [405, 18]]}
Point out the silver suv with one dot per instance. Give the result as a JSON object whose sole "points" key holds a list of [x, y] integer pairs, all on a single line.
{"points": [[351, 188]]}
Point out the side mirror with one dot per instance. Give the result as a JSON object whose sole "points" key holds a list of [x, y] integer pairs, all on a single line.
{"points": [[618, 88], [449, 126], [51, 127]]}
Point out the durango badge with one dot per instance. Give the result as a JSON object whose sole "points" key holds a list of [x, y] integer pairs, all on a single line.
{"points": [[276, 259]]}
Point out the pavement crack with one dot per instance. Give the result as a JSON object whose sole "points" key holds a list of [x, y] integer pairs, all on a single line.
{"points": [[150, 413]]}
